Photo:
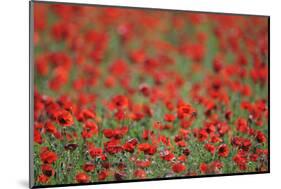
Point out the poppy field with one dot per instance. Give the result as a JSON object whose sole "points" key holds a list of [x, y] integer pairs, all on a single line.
{"points": [[130, 94]]}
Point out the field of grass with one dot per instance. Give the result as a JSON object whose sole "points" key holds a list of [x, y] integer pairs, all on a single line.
{"points": [[126, 94]]}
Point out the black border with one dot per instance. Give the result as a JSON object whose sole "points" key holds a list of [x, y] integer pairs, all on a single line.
{"points": [[31, 22]]}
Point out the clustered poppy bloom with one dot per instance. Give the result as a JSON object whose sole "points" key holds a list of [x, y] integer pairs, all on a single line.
{"points": [[151, 95], [48, 158]]}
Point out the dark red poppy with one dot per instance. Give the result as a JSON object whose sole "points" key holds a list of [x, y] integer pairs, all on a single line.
{"points": [[145, 89], [120, 175], [71, 146]]}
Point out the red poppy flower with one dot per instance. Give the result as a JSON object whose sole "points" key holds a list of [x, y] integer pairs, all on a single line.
{"points": [[182, 158], [120, 175], [82, 178], [70, 146], [130, 145], [260, 137], [178, 167], [47, 156], [90, 129], [254, 157], [228, 115], [144, 146], [216, 165], [120, 101], [43, 179], [242, 125], [147, 148], [146, 134], [88, 167], [42, 66], [143, 163], [118, 67], [47, 170], [139, 173], [169, 117], [95, 152], [102, 175], [50, 127], [37, 137], [120, 115], [115, 133], [181, 143], [86, 114], [145, 89], [202, 135], [165, 140], [203, 168], [211, 148], [65, 118], [147, 111], [167, 155], [186, 151], [113, 146], [223, 150], [240, 160], [216, 139], [108, 133], [184, 110], [136, 116], [60, 78]]}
